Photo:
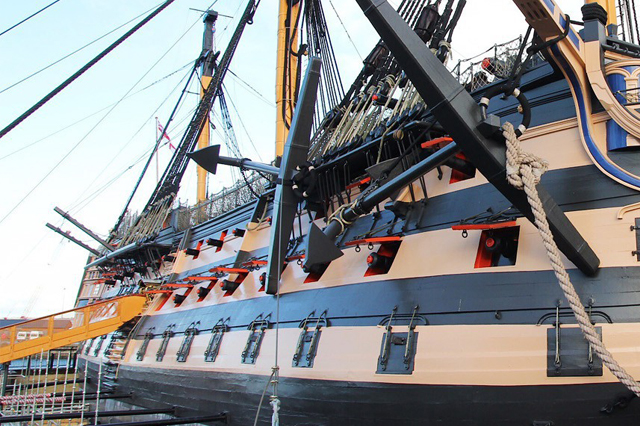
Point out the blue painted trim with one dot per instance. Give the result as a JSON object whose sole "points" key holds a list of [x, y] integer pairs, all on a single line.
{"points": [[574, 38], [598, 156], [550, 5], [572, 34], [616, 136]]}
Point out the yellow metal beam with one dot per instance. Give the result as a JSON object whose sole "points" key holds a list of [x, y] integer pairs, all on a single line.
{"points": [[87, 322], [286, 69]]}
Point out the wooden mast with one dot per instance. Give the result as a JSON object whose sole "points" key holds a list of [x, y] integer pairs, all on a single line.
{"points": [[610, 7], [286, 69], [208, 65]]}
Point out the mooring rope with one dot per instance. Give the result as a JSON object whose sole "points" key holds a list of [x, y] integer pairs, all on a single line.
{"points": [[524, 171]]}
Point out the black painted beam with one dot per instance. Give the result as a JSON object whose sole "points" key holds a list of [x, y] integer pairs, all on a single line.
{"points": [[320, 246], [296, 150], [459, 114], [222, 417], [86, 414]]}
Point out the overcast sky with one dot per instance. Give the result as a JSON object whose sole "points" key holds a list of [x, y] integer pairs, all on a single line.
{"points": [[78, 153]]}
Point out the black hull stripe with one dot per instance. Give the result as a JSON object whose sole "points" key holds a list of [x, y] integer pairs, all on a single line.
{"points": [[333, 403], [520, 297], [574, 189]]}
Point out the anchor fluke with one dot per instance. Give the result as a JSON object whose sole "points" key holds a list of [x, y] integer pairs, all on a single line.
{"points": [[323, 248], [207, 158]]}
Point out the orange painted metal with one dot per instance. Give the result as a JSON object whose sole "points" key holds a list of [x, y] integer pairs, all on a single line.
{"points": [[229, 270], [484, 257], [87, 322], [436, 141], [255, 263], [483, 226], [158, 292], [373, 240], [178, 285], [359, 183], [294, 257], [198, 278]]}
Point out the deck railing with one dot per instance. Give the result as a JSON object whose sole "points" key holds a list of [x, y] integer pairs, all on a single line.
{"points": [[85, 323]]}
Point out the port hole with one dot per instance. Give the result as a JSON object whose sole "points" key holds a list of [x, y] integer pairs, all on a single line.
{"points": [[460, 175], [381, 261], [316, 273], [498, 247]]}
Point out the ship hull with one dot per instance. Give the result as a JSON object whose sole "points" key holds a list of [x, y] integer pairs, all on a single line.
{"points": [[492, 344], [332, 402]]}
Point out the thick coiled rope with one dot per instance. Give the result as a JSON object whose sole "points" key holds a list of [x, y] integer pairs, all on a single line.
{"points": [[524, 171]]}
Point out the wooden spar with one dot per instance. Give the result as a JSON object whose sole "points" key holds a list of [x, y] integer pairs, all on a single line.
{"points": [[72, 239], [208, 65], [286, 70], [82, 228]]}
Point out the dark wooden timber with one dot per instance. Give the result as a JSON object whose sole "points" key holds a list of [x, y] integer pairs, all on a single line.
{"points": [[459, 114]]}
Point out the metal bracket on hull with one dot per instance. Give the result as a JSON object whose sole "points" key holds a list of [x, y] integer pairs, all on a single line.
{"points": [[217, 333], [308, 340], [189, 334], [569, 353], [398, 350], [636, 228], [575, 358], [166, 336], [145, 343], [257, 328]]}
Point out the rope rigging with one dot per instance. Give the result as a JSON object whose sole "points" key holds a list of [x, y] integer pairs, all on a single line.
{"points": [[158, 141], [318, 43], [94, 113], [628, 16], [381, 96], [29, 17], [115, 105], [75, 51], [82, 70], [170, 181], [155, 148]]}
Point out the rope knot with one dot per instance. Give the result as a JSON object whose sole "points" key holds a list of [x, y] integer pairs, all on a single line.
{"points": [[521, 165]]}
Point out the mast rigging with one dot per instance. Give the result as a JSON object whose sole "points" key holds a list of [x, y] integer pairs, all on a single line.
{"points": [[82, 70]]}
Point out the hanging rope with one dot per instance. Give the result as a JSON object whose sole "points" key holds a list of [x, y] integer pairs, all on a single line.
{"points": [[82, 70], [524, 171]]}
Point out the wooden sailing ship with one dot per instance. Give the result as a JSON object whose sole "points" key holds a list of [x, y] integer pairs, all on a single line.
{"points": [[389, 273]]}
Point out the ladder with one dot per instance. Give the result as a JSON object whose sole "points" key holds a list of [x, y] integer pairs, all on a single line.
{"points": [[87, 322]]}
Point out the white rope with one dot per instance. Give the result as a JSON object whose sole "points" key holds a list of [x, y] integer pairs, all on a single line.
{"points": [[523, 172], [337, 216], [275, 418]]}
